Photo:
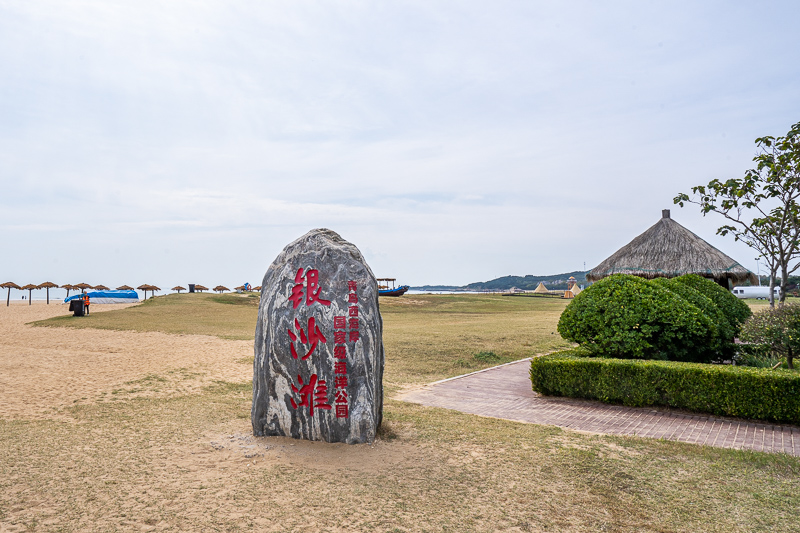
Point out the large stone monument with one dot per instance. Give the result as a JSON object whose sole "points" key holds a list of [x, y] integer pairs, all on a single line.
{"points": [[318, 368]]}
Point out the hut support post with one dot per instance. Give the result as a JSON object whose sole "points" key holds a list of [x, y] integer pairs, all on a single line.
{"points": [[8, 297]]}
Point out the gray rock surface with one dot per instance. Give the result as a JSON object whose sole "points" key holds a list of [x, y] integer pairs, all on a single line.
{"points": [[318, 367]]}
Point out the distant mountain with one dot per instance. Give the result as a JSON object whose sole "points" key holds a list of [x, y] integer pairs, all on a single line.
{"points": [[527, 283]]}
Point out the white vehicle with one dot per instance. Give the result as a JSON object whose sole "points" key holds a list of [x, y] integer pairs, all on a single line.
{"points": [[762, 293]]}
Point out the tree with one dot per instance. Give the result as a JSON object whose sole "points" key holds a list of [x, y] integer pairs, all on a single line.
{"points": [[776, 329], [771, 192]]}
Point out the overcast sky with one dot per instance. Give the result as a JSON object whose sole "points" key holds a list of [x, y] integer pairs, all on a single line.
{"points": [[452, 142]]}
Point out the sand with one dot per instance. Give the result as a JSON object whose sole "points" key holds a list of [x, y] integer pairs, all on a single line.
{"points": [[43, 370]]}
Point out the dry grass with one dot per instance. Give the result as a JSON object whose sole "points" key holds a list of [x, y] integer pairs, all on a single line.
{"points": [[188, 462]]}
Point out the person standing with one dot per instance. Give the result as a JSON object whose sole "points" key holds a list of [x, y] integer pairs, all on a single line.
{"points": [[86, 304]]}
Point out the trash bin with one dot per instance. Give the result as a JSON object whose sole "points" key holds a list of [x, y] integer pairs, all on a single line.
{"points": [[191, 287], [76, 306]]}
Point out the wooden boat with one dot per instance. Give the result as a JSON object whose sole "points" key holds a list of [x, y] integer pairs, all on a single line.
{"points": [[385, 290]]}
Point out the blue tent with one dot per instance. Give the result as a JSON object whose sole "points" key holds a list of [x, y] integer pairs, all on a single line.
{"points": [[108, 297]]}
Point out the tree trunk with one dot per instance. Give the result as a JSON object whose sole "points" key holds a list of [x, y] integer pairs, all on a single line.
{"points": [[784, 281], [772, 288]]}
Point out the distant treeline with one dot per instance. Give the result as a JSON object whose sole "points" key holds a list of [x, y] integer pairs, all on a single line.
{"points": [[526, 283]]}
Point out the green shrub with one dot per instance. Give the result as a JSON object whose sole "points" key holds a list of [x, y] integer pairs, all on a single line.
{"points": [[736, 310], [725, 390], [627, 317], [723, 347], [776, 330]]}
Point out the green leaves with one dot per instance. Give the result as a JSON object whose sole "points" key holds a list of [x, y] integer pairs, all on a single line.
{"points": [[725, 390]]}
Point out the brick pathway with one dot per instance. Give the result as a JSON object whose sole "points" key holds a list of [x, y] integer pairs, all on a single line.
{"points": [[505, 392]]}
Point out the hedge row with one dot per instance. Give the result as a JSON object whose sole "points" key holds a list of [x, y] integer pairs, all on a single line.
{"points": [[724, 390]]}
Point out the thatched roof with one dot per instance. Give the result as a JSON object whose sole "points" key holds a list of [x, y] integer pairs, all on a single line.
{"points": [[221, 288], [48, 285], [10, 285], [669, 250], [125, 288], [100, 288]]}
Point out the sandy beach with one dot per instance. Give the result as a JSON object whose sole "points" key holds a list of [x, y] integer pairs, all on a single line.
{"points": [[43, 370]]}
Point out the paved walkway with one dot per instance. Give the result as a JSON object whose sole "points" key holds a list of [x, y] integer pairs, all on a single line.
{"points": [[505, 392]]}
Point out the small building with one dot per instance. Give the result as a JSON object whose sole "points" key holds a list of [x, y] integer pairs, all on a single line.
{"points": [[668, 250]]}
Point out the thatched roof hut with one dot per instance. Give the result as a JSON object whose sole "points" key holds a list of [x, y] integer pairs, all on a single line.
{"points": [[9, 285], [669, 250]]}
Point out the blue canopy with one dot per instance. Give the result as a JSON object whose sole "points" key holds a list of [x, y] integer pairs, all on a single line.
{"points": [[107, 297]]}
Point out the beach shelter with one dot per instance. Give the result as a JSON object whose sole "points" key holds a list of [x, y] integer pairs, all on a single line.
{"points": [[221, 288], [146, 287], [200, 288], [541, 289], [125, 288], [48, 285], [82, 286], [257, 288], [178, 288], [9, 285], [576, 290], [668, 250], [68, 287], [101, 288], [29, 287]]}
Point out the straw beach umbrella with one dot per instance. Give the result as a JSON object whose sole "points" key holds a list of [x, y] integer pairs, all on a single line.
{"points": [[48, 285], [9, 285], [29, 287], [178, 288], [100, 288], [668, 250], [125, 288], [82, 286], [200, 288], [69, 288], [221, 288]]}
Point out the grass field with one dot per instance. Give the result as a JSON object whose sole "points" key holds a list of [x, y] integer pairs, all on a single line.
{"points": [[187, 462]]}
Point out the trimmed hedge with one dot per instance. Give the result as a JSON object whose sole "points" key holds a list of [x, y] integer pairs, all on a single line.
{"points": [[723, 346], [724, 390], [628, 317], [735, 309]]}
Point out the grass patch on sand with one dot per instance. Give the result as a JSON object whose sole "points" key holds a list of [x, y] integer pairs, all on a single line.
{"points": [[188, 462], [228, 316]]}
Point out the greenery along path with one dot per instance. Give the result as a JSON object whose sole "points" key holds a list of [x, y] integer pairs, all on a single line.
{"points": [[505, 392]]}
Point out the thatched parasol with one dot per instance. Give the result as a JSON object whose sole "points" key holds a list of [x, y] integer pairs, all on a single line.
{"points": [[48, 285], [82, 286], [125, 288], [29, 287], [69, 288], [200, 288], [146, 287], [240, 288], [668, 250], [100, 288], [178, 288], [9, 285], [257, 288], [221, 288]]}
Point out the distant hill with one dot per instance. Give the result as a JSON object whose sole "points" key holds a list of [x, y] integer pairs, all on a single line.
{"points": [[527, 283]]}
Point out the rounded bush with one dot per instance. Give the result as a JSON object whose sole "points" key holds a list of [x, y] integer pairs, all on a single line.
{"points": [[724, 346], [736, 310], [627, 317]]}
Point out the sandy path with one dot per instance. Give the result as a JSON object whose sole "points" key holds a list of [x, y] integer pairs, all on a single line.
{"points": [[43, 370]]}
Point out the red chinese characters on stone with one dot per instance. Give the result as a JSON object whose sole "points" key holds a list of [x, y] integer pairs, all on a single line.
{"points": [[312, 288], [313, 337], [313, 394]]}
